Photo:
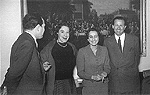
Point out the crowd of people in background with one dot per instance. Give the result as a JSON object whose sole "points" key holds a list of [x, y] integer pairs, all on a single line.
{"points": [[79, 29], [82, 26]]}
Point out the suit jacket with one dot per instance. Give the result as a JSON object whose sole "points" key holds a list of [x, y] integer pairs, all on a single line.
{"points": [[124, 74], [25, 75], [47, 56], [88, 64]]}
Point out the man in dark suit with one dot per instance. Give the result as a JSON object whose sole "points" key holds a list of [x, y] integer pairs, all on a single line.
{"points": [[25, 75], [124, 55]]}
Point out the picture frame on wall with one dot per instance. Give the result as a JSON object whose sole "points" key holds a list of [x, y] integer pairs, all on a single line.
{"points": [[135, 10], [143, 27]]}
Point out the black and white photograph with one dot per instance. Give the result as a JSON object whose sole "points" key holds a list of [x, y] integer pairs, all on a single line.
{"points": [[74, 47]]}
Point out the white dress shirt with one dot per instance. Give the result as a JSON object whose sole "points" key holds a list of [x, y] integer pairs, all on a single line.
{"points": [[122, 38]]}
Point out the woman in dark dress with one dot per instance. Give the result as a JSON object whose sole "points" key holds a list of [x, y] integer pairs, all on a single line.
{"points": [[61, 55]]}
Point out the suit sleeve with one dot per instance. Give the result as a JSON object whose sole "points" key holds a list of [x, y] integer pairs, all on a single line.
{"points": [[81, 66], [106, 62], [105, 44], [137, 51], [19, 61]]}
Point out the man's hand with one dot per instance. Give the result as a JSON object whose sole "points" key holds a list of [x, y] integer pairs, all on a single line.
{"points": [[46, 66]]}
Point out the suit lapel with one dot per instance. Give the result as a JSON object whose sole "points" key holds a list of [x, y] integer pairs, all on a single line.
{"points": [[89, 51], [99, 51], [126, 45], [116, 47]]}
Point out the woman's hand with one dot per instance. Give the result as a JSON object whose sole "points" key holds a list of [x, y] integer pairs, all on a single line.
{"points": [[104, 74], [96, 77], [99, 77]]}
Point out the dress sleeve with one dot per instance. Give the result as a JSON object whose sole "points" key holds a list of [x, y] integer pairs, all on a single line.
{"points": [[106, 62], [81, 66]]}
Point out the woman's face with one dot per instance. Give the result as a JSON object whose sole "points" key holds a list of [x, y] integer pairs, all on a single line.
{"points": [[93, 38], [63, 34]]}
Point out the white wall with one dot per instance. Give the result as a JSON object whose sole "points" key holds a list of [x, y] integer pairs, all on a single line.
{"points": [[10, 29], [145, 61]]}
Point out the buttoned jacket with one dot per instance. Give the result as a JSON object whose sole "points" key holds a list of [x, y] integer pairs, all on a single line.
{"points": [[89, 64], [124, 74]]}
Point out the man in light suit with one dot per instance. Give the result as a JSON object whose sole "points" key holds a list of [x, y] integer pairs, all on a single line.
{"points": [[124, 55], [25, 75]]}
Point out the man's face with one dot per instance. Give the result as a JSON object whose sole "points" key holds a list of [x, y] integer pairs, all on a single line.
{"points": [[41, 30], [63, 34], [93, 38], [119, 27]]}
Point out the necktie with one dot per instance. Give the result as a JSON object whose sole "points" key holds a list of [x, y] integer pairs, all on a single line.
{"points": [[119, 44]]}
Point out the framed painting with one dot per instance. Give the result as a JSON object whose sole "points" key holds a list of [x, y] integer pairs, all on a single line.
{"points": [[103, 10], [143, 27]]}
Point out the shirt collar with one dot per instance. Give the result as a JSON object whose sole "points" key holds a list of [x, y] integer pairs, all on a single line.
{"points": [[121, 37]]}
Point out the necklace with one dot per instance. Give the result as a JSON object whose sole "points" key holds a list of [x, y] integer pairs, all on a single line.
{"points": [[61, 45]]}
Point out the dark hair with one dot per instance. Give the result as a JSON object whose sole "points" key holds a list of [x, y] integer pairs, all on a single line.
{"points": [[91, 29], [119, 18], [30, 21], [58, 27]]}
